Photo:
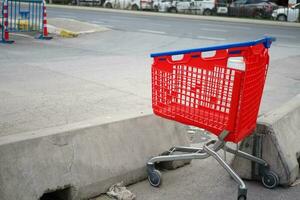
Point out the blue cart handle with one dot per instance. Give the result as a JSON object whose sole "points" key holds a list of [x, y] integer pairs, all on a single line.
{"points": [[267, 41]]}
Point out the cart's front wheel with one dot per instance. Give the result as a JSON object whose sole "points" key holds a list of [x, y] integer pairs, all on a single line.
{"points": [[270, 179], [242, 197], [154, 178], [242, 194]]}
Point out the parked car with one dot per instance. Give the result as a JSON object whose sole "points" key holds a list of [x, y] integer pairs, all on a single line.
{"points": [[129, 4], [252, 8], [287, 14], [146, 5], [221, 7], [205, 7], [90, 2], [162, 5]]}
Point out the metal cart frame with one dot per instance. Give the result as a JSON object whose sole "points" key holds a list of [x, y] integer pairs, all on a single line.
{"points": [[269, 178]]}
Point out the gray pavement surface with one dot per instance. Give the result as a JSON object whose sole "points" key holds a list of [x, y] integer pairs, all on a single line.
{"points": [[181, 27], [107, 75], [207, 180]]}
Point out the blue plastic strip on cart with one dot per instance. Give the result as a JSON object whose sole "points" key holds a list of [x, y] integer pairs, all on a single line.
{"points": [[267, 41]]}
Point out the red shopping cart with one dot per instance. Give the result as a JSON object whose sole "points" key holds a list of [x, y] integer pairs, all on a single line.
{"points": [[218, 89]]}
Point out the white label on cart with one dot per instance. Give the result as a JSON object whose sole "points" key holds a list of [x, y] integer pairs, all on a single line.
{"points": [[236, 63]]}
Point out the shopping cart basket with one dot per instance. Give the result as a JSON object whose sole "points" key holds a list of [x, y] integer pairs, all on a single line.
{"points": [[220, 93]]}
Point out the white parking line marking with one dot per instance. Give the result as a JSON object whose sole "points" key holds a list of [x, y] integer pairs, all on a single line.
{"points": [[235, 27], [211, 38], [214, 30], [151, 31], [23, 35], [157, 24], [227, 26], [97, 22], [69, 17]]}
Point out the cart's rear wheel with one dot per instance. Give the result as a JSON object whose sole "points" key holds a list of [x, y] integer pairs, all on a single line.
{"points": [[270, 179], [154, 178]]}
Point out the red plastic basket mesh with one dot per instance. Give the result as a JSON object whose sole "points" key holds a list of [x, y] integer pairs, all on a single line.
{"points": [[210, 94]]}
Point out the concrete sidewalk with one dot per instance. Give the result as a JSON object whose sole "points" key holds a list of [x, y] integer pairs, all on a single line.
{"points": [[196, 17]]}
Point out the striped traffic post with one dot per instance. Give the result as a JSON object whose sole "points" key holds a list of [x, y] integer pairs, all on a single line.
{"points": [[5, 33], [44, 35]]}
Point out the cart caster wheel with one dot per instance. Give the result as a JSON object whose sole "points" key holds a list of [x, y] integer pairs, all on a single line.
{"points": [[154, 178], [242, 194], [242, 197], [270, 179]]}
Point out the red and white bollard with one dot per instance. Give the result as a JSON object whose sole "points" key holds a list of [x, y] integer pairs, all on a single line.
{"points": [[5, 32], [45, 29], [44, 35]]}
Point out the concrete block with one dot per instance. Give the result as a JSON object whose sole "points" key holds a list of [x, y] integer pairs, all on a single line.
{"points": [[85, 158], [278, 133], [171, 165], [242, 166]]}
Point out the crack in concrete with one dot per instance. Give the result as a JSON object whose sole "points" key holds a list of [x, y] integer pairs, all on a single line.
{"points": [[72, 159]]}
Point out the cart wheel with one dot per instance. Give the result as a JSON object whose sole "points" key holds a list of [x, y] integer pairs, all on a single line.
{"points": [[154, 177], [242, 194], [270, 179], [242, 197]]}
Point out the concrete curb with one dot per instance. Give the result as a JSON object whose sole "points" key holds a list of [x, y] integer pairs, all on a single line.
{"points": [[277, 141], [83, 160], [62, 32], [67, 34], [183, 16]]}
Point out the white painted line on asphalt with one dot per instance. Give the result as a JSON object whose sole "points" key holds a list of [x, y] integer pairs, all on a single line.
{"points": [[97, 22], [68, 17], [226, 26], [157, 24], [113, 20], [210, 38], [214, 30], [237, 27], [151, 31], [281, 36], [23, 35]]}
